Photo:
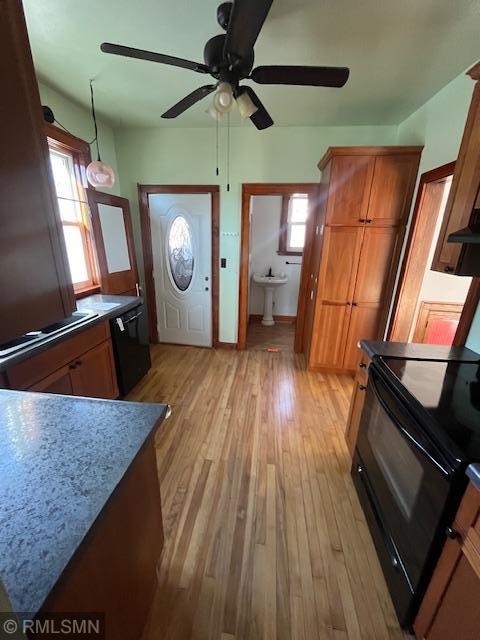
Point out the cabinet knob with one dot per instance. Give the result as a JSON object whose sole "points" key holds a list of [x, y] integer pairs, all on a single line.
{"points": [[72, 366], [451, 533], [354, 304], [78, 363], [362, 387], [348, 304], [363, 220], [448, 269], [362, 365]]}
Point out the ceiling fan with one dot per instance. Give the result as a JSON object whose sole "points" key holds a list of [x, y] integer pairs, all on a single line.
{"points": [[229, 59]]}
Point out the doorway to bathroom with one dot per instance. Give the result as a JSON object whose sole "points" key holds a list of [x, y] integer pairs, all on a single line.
{"points": [[276, 238]]}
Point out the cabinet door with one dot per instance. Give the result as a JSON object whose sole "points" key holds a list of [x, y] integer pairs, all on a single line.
{"points": [[36, 283], [338, 271], [465, 187], [354, 415], [349, 189], [378, 261], [58, 382], [94, 373], [364, 324], [392, 189], [329, 335]]}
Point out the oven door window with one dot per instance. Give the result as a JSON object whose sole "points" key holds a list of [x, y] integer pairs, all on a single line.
{"points": [[410, 491], [399, 465]]}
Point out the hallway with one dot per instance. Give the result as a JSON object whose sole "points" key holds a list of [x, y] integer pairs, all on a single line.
{"points": [[264, 536]]}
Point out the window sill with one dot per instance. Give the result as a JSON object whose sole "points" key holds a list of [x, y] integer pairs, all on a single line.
{"points": [[290, 253], [87, 291]]}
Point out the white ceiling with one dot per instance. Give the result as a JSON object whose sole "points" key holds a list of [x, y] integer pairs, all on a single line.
{"points": [[400, 53]]}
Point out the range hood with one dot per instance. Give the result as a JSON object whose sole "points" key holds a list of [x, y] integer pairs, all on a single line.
{"points": [[465, 236], [469, 238]]}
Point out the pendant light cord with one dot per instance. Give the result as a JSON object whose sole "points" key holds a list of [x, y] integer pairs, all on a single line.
{"points": [[94, 120]]}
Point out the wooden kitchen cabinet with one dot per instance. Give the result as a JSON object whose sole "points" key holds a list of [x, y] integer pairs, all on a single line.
{"points": [[348, 203], [392, 189], [36, 282], [450, 609], [461, 206], [94, 373], [82, 365], [361, 250]]}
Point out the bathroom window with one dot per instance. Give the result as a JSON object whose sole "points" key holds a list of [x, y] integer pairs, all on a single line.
{"points": [[293, 222]]}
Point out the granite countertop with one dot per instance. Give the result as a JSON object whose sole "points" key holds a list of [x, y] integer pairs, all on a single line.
{"points": [[105, 306], [473, 472], [61, 459], [414, 351]]}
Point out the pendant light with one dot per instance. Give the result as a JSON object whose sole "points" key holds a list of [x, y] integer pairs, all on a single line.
{"points": [[223, 100], [245, 106], [99, 174]]}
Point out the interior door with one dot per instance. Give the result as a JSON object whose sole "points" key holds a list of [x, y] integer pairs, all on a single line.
{"points": [[181, 227], [112, 227]]}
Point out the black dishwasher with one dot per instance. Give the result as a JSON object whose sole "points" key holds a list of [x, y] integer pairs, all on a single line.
{"points": [[130, 347]]}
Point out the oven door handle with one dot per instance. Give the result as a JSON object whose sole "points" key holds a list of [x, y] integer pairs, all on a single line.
{"points": [[418, 440], [133, 318]]}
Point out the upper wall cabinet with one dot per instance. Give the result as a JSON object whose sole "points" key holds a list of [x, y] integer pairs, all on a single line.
{"points": [[461, 205], [35, 280], [374, 185]]}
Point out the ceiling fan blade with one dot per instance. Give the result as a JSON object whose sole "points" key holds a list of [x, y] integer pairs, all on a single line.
{"points": [[140, 54], [246, 20], [306, 76], [261, 118], [189, 101]]}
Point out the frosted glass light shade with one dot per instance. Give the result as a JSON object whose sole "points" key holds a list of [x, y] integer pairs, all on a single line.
{"points": [[223, 100], [246, 106], [100, 174]]}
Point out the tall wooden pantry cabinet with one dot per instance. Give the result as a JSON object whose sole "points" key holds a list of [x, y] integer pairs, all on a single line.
{"points": [[362, 218]]}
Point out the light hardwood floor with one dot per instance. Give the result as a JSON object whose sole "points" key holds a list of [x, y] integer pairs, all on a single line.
{"points": [[264, 535]]}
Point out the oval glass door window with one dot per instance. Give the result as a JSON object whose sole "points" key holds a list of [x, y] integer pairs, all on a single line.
{"points": [[180, 253]]}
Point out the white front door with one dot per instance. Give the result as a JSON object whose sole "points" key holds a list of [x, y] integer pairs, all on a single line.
{"points": [[181, 227]]}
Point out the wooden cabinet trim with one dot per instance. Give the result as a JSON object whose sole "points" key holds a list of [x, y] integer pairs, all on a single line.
{"points": [[367, 151], [27, 373]]}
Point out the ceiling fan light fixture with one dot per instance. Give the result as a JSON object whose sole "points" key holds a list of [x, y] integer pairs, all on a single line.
{"points": [[245, 106], [223, 100], [212, 111]]}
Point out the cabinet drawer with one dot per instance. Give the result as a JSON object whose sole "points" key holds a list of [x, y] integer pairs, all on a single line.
{"points": [[27, 373]]}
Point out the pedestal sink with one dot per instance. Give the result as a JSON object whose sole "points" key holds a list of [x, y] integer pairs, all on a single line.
{"points": [[269, 283]]}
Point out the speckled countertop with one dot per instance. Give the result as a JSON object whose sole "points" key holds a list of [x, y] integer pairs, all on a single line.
{"points": [[414, 351], [61, 458], [105, 306]]}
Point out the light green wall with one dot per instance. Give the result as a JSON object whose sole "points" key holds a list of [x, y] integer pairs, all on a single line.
{"points": [[439, 125], [187, 156], [79, 122]]}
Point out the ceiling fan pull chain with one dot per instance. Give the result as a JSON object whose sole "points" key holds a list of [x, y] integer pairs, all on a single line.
{"points": [[216, 145], [228, 151]]}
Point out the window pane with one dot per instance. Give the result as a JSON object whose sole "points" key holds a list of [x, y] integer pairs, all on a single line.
{"points": [[296, 238], [76, 255], [65, 185], [180, 253], [298, 208]]}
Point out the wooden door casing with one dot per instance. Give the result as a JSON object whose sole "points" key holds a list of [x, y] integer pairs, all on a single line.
{"points": [[351, 179], [392, 189]]}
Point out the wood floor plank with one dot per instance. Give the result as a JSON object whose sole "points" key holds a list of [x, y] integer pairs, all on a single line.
{"points": [[264, 534]]}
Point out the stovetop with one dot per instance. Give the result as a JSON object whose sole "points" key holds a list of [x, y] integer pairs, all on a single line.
{"points": [[449, 394]]}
